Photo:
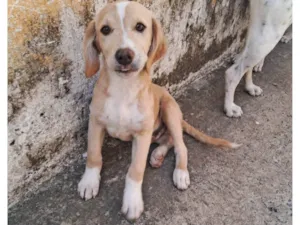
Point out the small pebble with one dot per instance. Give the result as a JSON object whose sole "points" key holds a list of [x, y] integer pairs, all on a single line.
{"points": [[77, 214], [257, 122]]}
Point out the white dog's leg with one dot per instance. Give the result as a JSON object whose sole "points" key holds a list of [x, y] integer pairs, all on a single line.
{"points": [[251, 88], [258, 67], [232, 78]]}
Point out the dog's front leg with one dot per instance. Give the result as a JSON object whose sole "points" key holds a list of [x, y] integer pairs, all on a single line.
{"points": [[88, 187], [233, 75], [133, 204]]}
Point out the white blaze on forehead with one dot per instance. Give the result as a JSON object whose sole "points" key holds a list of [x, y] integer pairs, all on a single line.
{"points": [[121, 6]]}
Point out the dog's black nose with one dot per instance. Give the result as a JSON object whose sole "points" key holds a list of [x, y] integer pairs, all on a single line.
{"points": [[124, 56]]}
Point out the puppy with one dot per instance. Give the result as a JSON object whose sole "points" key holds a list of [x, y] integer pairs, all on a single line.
{"points": [[127, 105], [269, 19]]}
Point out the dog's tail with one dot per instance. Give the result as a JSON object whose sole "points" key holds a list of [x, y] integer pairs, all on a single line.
{"points": [[200, 136]]}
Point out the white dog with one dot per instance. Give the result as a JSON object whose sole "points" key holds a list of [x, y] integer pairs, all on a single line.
{"points": [[269, 19]]}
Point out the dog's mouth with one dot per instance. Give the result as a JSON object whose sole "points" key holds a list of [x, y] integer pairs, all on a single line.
{"points": [[126, 69]]}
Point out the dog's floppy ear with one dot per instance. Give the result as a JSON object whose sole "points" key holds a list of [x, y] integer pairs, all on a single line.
{"points": [[91, 50], [158, 45]]}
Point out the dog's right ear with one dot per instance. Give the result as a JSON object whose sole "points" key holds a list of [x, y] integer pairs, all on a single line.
{"points": [[158, 46], [91, 50]]}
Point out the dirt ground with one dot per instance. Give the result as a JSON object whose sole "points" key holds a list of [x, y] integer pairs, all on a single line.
{"points": [[248, 186]]}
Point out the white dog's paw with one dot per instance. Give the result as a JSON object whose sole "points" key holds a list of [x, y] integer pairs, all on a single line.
{"points": [[133, 204], [88, 187], [181, 179], [258, 67], [254, 90], [233, 110], [286, 38]]}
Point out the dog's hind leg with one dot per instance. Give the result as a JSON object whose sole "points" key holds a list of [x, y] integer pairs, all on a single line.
{"points": [[159, 153], [251, 88], [285, 39], [287, 36], [172, 117], [258, 67]]}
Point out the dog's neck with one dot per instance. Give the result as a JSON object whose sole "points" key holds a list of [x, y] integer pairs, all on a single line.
{"points": [[127, 86]]}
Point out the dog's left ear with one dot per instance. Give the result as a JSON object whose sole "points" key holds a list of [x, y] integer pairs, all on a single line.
{"points": [[158, 46], [91, 50]]}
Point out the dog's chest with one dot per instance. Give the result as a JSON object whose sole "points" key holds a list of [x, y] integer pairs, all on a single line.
{"points": [[122, 116]]}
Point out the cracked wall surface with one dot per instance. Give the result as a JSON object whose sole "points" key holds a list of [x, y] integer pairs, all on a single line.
{"points": [[48, 94]]}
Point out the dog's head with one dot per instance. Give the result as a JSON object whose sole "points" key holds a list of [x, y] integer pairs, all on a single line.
{"points": [[127, 35]]}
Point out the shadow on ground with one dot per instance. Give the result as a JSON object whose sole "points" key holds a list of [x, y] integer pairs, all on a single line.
{"points": [[250, 185]]}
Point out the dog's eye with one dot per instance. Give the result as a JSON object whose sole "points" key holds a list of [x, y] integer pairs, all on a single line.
{"points": [[140, 27], [105, 30]]}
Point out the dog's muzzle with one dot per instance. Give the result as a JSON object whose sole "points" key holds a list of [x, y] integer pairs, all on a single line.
{"points": [[124, 57]]}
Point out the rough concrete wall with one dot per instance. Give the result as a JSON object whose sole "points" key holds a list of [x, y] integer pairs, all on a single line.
{"points": [[49, 95]]}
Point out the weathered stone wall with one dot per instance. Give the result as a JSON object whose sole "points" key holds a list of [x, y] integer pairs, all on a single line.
{"points": [[49, 95]]}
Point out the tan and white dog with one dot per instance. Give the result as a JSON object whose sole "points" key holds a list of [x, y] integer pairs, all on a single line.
{"points": [[269, 19], [127, 105]]}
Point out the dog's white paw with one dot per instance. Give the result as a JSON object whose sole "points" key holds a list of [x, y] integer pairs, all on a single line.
{"points": [[181, 179], [254, 90], [286, 38], [88, 187], [133, 204], [233, 110], [258, 67]]}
